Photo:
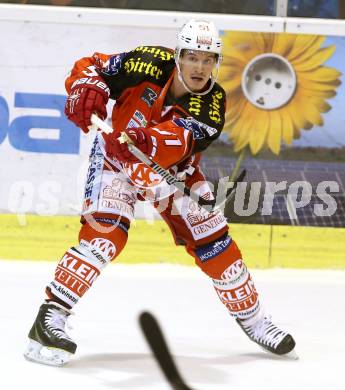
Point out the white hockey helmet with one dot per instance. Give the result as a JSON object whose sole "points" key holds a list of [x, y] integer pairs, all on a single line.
{"points": [[199, 35]]}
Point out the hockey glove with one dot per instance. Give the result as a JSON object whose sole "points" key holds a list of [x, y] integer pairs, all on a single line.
{"points": [[141, 139], [88, 95]]}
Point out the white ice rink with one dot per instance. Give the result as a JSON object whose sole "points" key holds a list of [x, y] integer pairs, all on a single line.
{"points": [[210, 349]]}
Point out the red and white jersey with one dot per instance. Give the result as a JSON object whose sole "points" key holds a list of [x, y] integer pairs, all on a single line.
{"points": [[139, 81]]}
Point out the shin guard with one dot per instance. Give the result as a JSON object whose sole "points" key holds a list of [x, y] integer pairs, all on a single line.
{"points": [[81, 265], [222, 261]]}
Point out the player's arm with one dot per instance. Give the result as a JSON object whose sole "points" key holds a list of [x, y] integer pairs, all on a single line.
{"points": [[167, 143], [88, 92]]}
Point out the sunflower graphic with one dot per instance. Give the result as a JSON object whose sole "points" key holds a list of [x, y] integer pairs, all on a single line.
{"points": [[276, 85]]}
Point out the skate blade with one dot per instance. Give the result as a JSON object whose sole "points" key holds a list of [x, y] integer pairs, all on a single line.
{"points": [[39, 353], [292, 355]]}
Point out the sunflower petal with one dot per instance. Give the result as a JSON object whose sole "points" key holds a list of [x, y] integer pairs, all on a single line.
{"points": [[259, 131], [239, 125], [263, 42], [234, 38], [296, 132], [317, 93], [320, 104], [229, 66], [241, 40], [283, 43], [246, 122], [312, 114], [231, 84], [315, 60], [305, 46], [229, 62], [316, 86], [275, 132], [323, 75], [236, 107], [241, 47], [240, 56], [287, 126], [295, 107]]}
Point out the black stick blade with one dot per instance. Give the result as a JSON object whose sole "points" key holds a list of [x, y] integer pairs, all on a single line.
{"points": [[155, 338]]}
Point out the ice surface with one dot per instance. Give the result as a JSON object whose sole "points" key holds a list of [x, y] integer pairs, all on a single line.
{"points": [[210, 349]]}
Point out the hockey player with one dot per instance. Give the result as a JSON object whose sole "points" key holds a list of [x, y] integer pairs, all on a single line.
{"points": [[170, 106]]}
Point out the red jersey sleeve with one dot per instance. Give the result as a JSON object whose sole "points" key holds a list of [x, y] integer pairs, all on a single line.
{"points": [[87, 67]]}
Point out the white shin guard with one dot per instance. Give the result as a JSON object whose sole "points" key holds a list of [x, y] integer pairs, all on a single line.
{"points": [[237, 292], [77, 270]]}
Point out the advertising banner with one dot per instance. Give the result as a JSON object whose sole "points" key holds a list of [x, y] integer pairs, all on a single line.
{"points": [[43, 156], [285, 122]]}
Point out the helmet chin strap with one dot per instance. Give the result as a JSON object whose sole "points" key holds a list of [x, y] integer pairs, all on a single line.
{"points": [[212, 78]]}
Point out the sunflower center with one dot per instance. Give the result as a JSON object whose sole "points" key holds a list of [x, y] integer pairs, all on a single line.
{"points": [[269, 81]]}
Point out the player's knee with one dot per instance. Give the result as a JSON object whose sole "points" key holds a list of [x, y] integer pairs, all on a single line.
{"points": [[104, 237], [217, 256]]}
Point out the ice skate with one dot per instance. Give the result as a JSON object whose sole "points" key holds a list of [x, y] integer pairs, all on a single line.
{"points": [[264, 332], [49, 343]]}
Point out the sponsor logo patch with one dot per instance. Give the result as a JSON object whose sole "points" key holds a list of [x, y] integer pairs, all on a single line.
{"points": [[138, 65], [203, 40], [118, 190], [75, 274], [215, 108], [210, 251], [106, 247], [149, 96], [233, 270], [92, 81], [140, 117]]}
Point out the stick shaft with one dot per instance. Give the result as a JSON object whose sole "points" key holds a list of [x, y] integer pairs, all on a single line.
{"points": [[172, 180], [207, 205]]}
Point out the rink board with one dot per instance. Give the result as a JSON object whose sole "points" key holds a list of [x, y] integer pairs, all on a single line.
{"points": [[47, 154], [39, 46], [263, 246]]}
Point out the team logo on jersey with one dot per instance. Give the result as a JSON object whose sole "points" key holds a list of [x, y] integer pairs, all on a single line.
{"points": [[150, 184], [149, 96], [142, 175], [113, 65]]}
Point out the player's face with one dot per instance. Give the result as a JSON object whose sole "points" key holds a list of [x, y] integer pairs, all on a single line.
{"points": [[196, 68]]}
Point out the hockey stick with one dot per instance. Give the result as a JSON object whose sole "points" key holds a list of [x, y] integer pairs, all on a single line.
{"points": [[208, 205], [155, 338]]}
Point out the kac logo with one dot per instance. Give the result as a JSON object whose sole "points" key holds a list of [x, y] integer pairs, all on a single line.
{"points": [[19, 129]]}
